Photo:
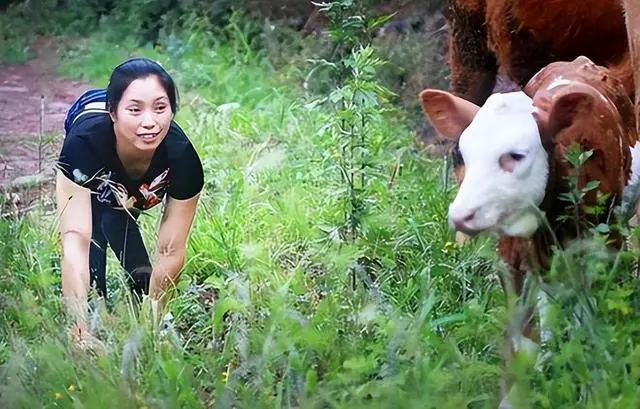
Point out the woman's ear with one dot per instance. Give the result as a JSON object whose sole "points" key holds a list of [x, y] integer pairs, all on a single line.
{"points": [[112, 114]]}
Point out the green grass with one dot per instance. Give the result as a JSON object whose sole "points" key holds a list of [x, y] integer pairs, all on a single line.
{"points": [[287, 330], [14, 42]]}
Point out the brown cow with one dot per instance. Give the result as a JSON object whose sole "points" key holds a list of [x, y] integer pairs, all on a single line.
{"points": [[632, 21], [517, 38], [513, 148]]}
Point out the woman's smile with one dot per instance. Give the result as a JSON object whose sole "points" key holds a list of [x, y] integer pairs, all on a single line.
{"points": [[149, 136]]}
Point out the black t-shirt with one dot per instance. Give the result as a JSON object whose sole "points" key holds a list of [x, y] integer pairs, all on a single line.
{"points": [[88, 157]]}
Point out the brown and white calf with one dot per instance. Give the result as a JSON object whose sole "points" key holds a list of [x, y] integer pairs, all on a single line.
{"points": [[498, 42], [514, 147]]}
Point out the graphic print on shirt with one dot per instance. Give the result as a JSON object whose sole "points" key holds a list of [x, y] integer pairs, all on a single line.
{"points": [[153, 192], [108, 189]]}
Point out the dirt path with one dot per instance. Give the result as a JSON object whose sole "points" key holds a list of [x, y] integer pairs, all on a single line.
{"points": [[21, 89]]}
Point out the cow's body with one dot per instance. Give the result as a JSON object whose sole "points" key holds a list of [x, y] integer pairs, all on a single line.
{"points": [[517, 38], [632, 22]]}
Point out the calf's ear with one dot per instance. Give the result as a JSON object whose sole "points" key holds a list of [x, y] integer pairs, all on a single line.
{"points": [[564, 108], [448, 114]]}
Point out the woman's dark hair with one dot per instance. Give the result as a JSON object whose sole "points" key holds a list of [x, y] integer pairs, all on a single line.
{"points": [[135, 68]]}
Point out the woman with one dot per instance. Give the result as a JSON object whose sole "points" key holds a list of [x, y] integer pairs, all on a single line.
{"points": [[123, 154]]}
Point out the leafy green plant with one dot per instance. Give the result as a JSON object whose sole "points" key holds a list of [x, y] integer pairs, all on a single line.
{"points": [[578, 212], [358, 102]]}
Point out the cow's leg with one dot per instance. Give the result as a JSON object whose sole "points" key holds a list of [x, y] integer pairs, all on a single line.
{"points": [[525, 333], [520, 335], [473, 66]]}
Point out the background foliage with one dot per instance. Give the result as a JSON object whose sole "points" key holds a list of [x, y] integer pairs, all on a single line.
{"points": [[415, 41]]}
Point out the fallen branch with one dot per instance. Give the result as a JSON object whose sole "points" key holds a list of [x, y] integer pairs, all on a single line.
{"points": [[25, 182], [18, 212]]}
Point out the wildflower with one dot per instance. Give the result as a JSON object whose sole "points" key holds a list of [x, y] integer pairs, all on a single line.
{"points": [[58, 395], [448, 247], [71, 388]]}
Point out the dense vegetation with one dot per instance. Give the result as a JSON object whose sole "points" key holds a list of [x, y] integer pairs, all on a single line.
{"points": [[271, 28], [321, 272]]}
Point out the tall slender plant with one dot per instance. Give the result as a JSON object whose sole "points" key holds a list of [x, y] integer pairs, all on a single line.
{"points": [[357, 100]]}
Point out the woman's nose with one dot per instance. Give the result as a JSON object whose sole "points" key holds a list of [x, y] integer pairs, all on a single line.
{"points": [[148, 121]]}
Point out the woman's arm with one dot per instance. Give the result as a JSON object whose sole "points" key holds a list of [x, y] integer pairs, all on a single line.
{"points": [[172, 243], [74, 212]]}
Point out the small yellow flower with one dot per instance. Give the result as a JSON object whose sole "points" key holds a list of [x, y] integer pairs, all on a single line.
{"points": [[58, 396], [71, 388], [448, 247]]}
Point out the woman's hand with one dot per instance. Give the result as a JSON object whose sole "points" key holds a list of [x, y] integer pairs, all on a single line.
{"points": [[172, 242], [84, 340]]}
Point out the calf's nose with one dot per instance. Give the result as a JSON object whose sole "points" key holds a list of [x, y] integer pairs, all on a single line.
{"points": [[459, 218]]}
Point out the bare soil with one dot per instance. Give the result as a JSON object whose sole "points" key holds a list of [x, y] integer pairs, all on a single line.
{"points": [[33, 102], [23, 119]]}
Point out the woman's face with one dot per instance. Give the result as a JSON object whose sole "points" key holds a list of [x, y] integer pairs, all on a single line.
{"points": [[143, 115]]}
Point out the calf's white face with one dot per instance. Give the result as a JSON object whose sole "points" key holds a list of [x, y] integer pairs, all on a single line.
{"points": [[506, 166], [506, 169]]}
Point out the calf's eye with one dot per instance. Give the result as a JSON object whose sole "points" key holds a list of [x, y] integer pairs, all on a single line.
{"points": [[516, 156], [509, 160]]}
